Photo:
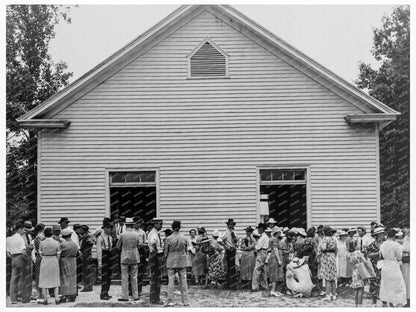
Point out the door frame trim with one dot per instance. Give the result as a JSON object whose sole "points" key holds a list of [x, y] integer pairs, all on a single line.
{"points": [[307, 183], [122, 169]]}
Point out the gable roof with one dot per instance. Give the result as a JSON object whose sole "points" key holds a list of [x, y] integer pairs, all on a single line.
{"points": [[367, 104]]}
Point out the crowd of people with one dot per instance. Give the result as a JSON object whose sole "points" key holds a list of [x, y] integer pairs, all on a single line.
{"points": [[285, 261]]}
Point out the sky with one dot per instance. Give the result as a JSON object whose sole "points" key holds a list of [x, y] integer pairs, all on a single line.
{"points": [[337, 36]]}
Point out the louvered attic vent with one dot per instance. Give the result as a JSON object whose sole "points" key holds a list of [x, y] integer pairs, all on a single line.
{"points": [[207, 60]]}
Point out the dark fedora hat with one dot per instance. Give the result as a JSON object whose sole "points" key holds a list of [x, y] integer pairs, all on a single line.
{"points": [[64, 220], [85, 227], [262, 226], [231, 221], [28, 225]]}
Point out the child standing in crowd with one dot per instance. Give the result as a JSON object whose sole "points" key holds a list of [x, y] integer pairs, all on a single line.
{"points": [[191, 252], [356, 257]]}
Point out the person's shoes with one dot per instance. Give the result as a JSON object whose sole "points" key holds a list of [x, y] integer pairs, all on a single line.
{"points": [[86, 290], [334, 297], [72, 299], [275, 294], [137, 299], [45, 302], [62, 300], [13, 302], [254, 290], [122, 299], [57, 301], [299, 295], [170, 304], [158, 302], [326, 298], [105, 297], [322, 293], [186, 304]]}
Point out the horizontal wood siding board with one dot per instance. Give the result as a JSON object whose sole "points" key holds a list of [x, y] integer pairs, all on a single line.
{"points": [[208, 137]]}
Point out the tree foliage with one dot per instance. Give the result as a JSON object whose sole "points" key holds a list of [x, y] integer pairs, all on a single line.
{"points": [[31, 78], [390, 84]]}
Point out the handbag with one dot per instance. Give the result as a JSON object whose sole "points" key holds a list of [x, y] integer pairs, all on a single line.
{"points": [[364, 271]]}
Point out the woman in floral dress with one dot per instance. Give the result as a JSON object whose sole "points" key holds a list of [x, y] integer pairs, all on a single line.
{"points": [[212, 249], [373, 254], [328, 265], [392, 286], [356, 257]]}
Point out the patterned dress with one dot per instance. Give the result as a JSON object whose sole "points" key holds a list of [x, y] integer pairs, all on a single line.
{"points": [[356, 258], [328, 265], [215, 267], [38, 260], [374, 247], [392, 286]]}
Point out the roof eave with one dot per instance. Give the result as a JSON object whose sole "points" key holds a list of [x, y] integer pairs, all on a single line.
{"points": [[44, 123]]}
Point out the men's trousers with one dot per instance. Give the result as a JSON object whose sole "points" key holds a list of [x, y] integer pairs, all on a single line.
{"points": [[18, 270], [183, 285], [106, 272], [232, 277], [129, 270], [260, 271], [155, 264]]}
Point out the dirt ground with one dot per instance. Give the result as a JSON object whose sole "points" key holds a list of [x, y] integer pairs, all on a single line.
{"points": [[199, 297]]}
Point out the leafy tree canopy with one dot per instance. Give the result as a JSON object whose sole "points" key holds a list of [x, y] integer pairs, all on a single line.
{"points": [[31, 78], [390, 84]]}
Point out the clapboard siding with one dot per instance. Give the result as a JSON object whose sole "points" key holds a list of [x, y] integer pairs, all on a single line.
{"points": [[207, 137]]}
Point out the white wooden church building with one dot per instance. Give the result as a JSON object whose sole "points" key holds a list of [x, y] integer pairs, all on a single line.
{"points": [[200, 118]]}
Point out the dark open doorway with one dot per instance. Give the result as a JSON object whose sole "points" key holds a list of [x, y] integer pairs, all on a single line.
{"points": [[287, 204]]}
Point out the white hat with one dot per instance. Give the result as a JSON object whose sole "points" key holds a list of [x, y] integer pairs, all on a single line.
{"points": [[255, 233], [129, 221], [301, 231], [271, 220], [268, 230], [215, 233], [378, 230]]}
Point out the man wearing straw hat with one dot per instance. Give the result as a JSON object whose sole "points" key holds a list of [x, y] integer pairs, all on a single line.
{"points": [[129, 243]]}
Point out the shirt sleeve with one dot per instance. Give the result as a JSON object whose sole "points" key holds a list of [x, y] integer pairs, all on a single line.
{"points": [[99, 249]]}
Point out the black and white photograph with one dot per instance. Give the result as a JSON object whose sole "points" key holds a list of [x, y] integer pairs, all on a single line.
{"points": [[207, 155]]}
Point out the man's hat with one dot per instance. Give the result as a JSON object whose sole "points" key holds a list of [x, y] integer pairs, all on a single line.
{"points": [[64, 220], [76, 226], [122, 218], [85, 227], [342, 233], [56, 227], [201, 230], [66, 232], [176, 224], [129, 221], [352, 230], [285, 229], [230, 221], [216, 233], [154, 220], [168, 232], [275, 230], [249, 229], [28, 226], [268, 230], [107, 224], [271, 220], [262, 226]]}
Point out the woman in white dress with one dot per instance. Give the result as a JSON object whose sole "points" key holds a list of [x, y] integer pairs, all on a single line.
{"points": [[392, 288], [49, 276], [342, 261]]}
